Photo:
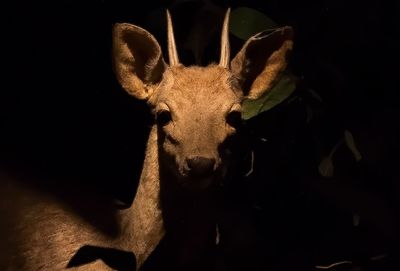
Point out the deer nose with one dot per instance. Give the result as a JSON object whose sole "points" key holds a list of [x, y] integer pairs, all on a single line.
{"points": [[200, 167]]}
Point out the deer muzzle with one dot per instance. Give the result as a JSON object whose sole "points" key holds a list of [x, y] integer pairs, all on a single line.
{"points": [[200, 167]]}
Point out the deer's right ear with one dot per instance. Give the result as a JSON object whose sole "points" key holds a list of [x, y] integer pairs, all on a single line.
{"points": [[138, 61]]}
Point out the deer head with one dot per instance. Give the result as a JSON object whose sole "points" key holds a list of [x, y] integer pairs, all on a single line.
{"points": [[197, 108]]}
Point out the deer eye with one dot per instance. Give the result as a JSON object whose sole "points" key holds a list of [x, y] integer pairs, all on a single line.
{"points": [[163, 117], [234, 118]]}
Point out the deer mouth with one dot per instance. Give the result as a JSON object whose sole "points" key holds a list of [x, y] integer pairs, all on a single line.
{"points": [[195, 172], [200, 180], [198, 183]]}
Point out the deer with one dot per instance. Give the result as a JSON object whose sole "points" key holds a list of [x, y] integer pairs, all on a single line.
{"points": [[196, 111]]}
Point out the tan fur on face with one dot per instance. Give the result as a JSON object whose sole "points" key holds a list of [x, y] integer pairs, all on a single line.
{"points": [[199, 99]]}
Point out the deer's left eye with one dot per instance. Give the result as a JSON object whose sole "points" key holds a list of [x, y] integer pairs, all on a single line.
{"points": [[234, 118], [163, 117]]}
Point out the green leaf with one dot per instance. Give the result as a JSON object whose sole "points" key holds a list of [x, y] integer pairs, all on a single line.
{"points": [[245, 22], [277, 94], [351, 144], [326, 168]]}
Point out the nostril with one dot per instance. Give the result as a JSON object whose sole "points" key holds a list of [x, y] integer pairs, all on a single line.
{"points": [[200, 166]]}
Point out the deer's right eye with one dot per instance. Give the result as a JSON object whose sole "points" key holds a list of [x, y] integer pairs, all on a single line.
{"points": [[163, 117]]}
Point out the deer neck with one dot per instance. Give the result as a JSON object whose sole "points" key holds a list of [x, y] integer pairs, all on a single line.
{"points": [[161, 205], [144, 223]]}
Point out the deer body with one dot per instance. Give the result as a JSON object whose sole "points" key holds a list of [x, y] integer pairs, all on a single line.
{"points": [[196, 111], [47, 233]]}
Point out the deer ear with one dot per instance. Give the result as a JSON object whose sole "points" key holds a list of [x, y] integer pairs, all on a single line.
{"points": [[138, 61], [261, 60]]}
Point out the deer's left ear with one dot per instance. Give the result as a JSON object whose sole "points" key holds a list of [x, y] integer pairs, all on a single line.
{"points": [[261, 60]]}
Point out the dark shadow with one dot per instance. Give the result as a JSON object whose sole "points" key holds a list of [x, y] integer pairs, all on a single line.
{"points": [[114, 258]]}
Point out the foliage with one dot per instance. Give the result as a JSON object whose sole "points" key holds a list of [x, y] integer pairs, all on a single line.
{"points": [[278, 93]]}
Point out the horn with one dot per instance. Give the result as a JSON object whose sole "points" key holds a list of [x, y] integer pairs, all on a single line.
{"points": [[172, 53], [225, 49]]}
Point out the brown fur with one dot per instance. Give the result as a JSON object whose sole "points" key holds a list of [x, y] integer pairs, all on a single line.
{"points": [[45, 234]]}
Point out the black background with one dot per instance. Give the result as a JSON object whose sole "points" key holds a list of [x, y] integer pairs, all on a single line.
{"points": [[64, 118]]}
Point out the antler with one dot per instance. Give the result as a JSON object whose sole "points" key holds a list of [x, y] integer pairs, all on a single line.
{"points": [[172, 53], [225, 49]]}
